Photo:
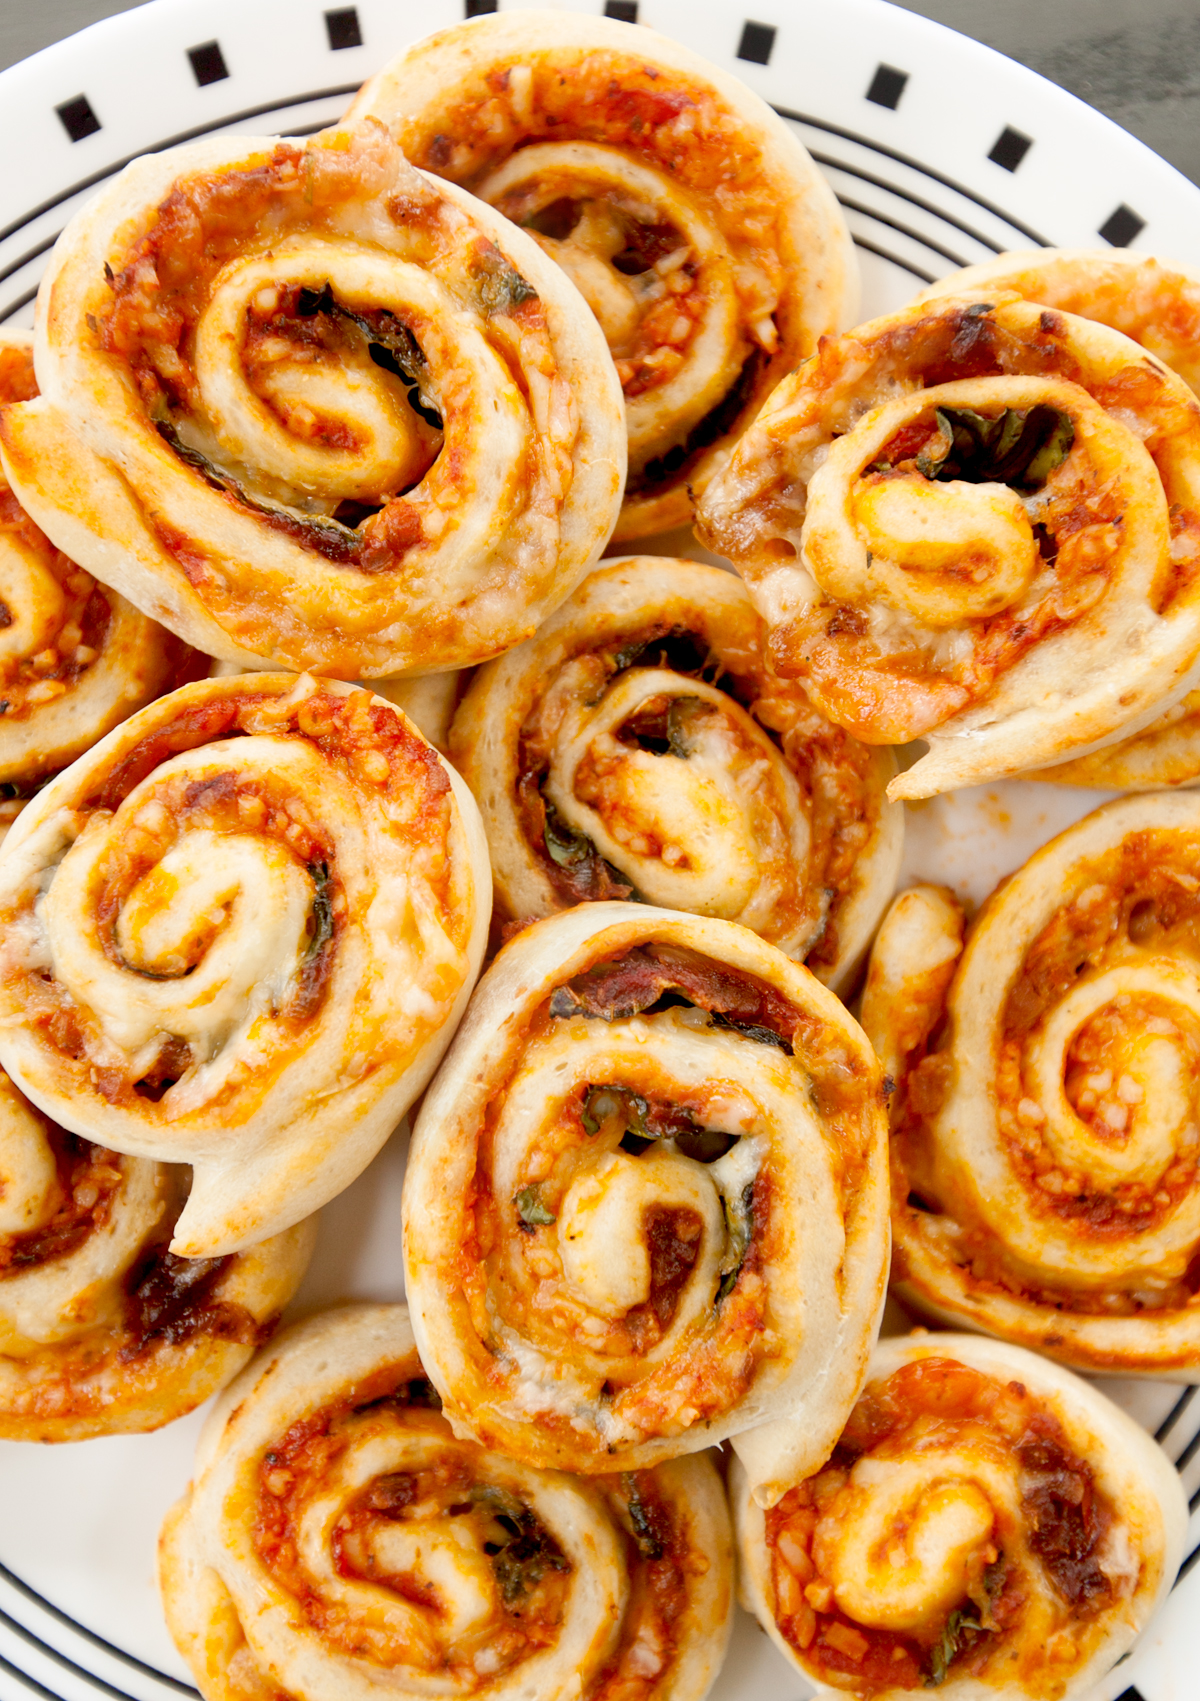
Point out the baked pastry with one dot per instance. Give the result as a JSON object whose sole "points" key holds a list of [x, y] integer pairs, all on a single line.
{"points": [[1166, 753], [988, 1525], [645, 1206], [429, 700], [639, 743], [339, 1541], [1155, 303], [102, 1329], [75, 658], [702, 236], [1044, 1127], [238, 934], [340, 416], [977, 522]]}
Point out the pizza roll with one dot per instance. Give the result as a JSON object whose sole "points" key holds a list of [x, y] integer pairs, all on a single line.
{"points": [[976, 522], [75, 658], [645, 1206], [1166, 753], [311, 408], [238, 934], [698, 230], [1046, 1112], [988, 1525], [429, 700], [102, 1329], [338, 1543], [639, 743], [1156, 303]]}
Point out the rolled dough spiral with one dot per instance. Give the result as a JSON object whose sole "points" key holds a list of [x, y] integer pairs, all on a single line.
{"points": [[339, 1544], [640, 741], [989, 1525], [977, 522], [103, 1330], [644, 1208], [238, 934], [698, 230], [313, 409], [1046, 1113]]}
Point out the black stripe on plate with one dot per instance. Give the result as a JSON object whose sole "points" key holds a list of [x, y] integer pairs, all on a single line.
{"points": [[1187, 1566], [49, 1652], [30, 1683], [174, 141], [64, 1618], [836, 164], [905, 265], [1177, 1410], [6, 313], [903, 230], [32, 254], [915, 165]]}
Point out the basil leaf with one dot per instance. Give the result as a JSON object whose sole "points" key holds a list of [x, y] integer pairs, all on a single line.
{"points": [[739, 1215], [532, 1213], [322, 909], [958, 1632], [649, 1542], [564, 845], [1019, 446], [498, 283], [678, 715], [932, 456]]}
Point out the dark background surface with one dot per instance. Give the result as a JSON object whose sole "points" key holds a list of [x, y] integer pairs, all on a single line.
{"points": [[1136, 60]]}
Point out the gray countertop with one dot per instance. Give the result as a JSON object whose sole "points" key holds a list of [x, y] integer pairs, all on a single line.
{"points": [[1136, 60]]}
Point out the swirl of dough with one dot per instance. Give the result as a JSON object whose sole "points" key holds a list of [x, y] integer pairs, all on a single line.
{"points": [[988, 1524], [691, 219], [312, 408], [102, 1330], [641, 742], [977, 522], [1154, 302], [238, 934], [75, 658], [644, 1204], [1046, 1122], [338, 1543]]}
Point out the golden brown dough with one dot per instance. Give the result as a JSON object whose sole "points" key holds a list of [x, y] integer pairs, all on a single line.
{"points": [[976, 522], [338, 1543], [313, 409], [1046, 1111], [239, 934], [702, 236], [102, 1329], [75, 658], [640, 741], [989, 1526], [645, 1206]]}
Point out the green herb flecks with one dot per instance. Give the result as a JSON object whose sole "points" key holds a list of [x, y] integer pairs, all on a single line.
{"points": [[523, 1550], [564, 845], [499, 285], [1019, 446], [321, 913], [649, 1542], [391, 345], [681, 712], [958, 1633], [739, 1226], [531, 1212]]}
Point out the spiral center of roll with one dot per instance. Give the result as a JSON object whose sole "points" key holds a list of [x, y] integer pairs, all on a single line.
{"points": [[1114, 1069], [312, 384], [650, 263], [679, 789]]}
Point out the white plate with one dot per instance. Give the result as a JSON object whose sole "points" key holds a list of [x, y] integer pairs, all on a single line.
{"points": [[943, 153]]}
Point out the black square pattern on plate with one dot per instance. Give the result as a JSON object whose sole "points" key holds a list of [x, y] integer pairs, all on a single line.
{"points": [[478, 8], [78, 119], [1118, 229], [757, 43], [1131, 1694], [1010, 148], [343, 28], [625, 11], [887, 85], [208, 63]]}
